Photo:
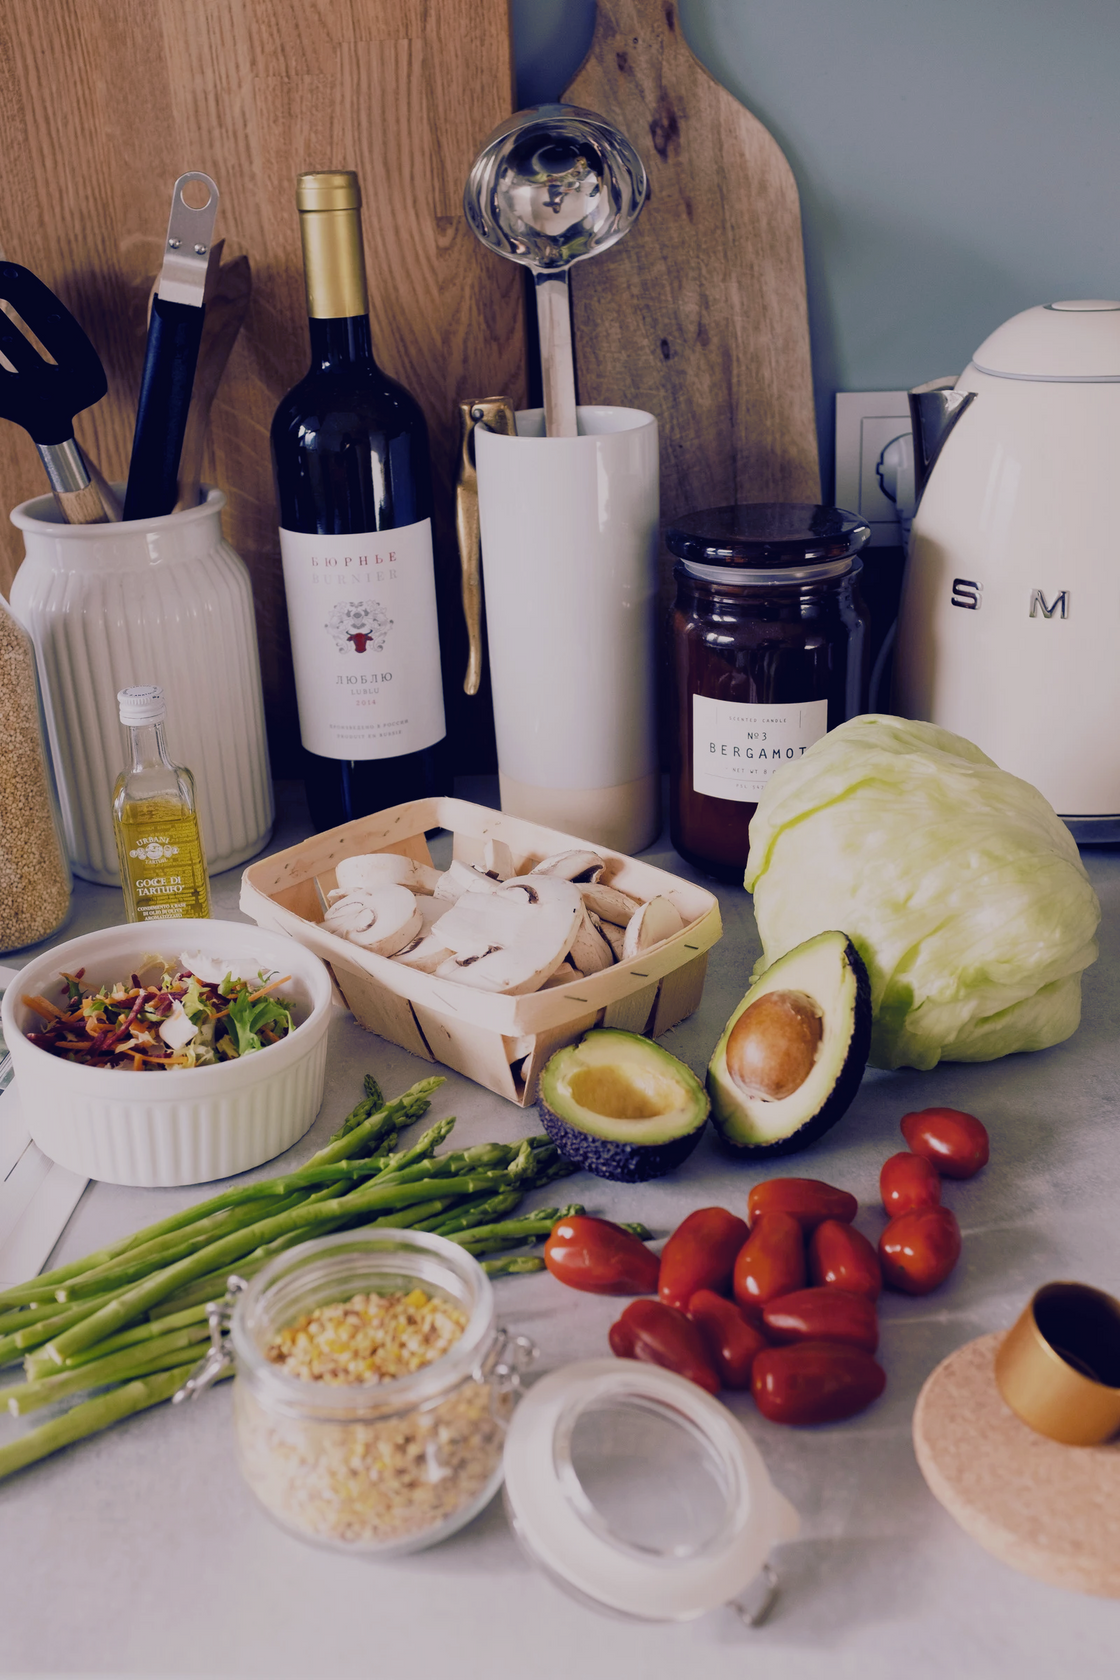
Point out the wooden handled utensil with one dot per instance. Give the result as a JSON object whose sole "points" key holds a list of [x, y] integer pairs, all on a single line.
{"points": [[43, 397]]}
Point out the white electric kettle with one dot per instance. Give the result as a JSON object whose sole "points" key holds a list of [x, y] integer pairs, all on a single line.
{"points": [[1009, 629]]}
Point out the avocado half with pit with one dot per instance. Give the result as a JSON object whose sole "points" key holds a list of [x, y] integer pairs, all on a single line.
{"points": [[793, 1053], [620, 1106]]}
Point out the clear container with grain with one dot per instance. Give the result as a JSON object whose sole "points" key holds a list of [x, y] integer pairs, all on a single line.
{"points": [[34, 873], [373, 1390]]}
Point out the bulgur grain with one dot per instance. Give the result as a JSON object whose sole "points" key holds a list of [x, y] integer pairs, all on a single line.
{"points": [[368, 1339], [373, 1479], [34, 877]]}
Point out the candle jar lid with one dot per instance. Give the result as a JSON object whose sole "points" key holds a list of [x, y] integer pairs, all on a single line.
{"points": [[768, 541]]}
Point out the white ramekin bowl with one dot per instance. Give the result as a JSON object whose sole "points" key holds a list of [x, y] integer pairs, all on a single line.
{"points": [[183, 1127]]}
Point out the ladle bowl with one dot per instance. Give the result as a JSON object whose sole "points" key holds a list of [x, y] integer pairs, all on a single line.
{"points": [[552, 186]]}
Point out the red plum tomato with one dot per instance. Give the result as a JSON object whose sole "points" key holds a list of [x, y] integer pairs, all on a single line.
{"points": [[732, 1341], [600, 1258], [909, 1181], [771, 1262], [660, 1335], [823, 1315], [815, 1382], [954, 1142], [700, 1254], [841, 1257], [809, 1200], [919, 1249]]}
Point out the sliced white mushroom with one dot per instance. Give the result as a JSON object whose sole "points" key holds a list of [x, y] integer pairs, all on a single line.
{"points": [[609, 903], [615, 938], [571, 866], [512, 939], [369, 870], [590, 951], [426, 953], [497, 860], [383, 920], [655, 921], [457, 879]]}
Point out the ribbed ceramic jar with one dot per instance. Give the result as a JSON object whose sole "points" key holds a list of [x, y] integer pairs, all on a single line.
{"points": [[162, 601], [188, 1125]]}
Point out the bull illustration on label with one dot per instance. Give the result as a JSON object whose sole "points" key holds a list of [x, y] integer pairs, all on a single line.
{"points": [[361, 624]]}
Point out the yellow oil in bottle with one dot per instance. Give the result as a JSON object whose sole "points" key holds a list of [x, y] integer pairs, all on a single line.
{"points": [[163, 869], [159, 843]]}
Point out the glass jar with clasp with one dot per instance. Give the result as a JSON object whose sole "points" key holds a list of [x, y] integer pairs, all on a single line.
{"points": [[768, 650]]}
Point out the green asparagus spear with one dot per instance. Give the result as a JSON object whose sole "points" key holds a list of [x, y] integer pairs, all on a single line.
{"points": [[513, 1263], [159, 1355], [91, 1416]]}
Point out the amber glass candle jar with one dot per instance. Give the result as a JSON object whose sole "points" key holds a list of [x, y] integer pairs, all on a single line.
{"points": [[768, 646]]}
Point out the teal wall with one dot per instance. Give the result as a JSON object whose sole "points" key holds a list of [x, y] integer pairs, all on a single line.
{"points": [[958, 160]]}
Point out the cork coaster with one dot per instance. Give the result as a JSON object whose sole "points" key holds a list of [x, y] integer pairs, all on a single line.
{"points": [[1046, 1509]]}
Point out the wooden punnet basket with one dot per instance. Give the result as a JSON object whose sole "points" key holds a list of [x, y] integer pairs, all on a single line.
{"points": [[499, 1041]]}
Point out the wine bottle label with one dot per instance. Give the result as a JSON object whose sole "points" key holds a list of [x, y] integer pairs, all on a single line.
{"points": [[365, 641], [737, 746]]}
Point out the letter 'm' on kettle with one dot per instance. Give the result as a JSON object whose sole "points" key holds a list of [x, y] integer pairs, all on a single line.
{"points": [[1059, 608]]}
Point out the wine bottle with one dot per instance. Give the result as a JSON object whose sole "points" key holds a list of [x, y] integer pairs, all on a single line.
{"points": [[350, 454]]}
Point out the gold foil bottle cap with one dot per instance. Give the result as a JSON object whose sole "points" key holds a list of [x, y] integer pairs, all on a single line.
{"points": [[1058, 1367], [328, 189], [329, 202]]}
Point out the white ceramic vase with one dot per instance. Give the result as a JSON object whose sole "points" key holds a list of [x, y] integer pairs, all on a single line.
{"points": [[569, 559], [162, 601]]}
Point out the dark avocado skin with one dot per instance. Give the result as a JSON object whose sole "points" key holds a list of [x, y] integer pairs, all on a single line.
{"points": [[625, 1163], [843, 1093]]}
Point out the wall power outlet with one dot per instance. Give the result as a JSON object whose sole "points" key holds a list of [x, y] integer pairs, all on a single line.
{"points": [[866, 422]]}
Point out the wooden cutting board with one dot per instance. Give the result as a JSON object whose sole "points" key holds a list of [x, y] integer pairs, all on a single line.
{"points": [[103, 103], [699, 314]]}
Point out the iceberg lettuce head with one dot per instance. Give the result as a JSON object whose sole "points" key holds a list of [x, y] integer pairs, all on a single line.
{"points": [[959, 886]]}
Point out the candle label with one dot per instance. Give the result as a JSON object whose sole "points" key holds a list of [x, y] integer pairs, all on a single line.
{"points": [[365, 641], [737, 746]]}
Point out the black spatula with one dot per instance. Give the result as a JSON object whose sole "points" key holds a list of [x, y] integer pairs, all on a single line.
{"points": [[43, 397]]}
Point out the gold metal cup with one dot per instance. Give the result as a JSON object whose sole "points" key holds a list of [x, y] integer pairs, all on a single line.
{"points": [[1058, 1367]]}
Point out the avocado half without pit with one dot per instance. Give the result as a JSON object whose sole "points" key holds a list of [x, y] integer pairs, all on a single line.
{"points": [[620, 1106], [793, 1053]]}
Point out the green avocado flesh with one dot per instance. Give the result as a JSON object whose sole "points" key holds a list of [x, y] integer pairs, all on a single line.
{"points": [[827, 976], [618, 1105]]}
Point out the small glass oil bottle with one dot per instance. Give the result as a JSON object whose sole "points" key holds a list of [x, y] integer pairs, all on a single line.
{"points": [[159, 843]]}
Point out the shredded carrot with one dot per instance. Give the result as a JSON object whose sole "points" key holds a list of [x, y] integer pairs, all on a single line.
{"points": [[283, 981]]}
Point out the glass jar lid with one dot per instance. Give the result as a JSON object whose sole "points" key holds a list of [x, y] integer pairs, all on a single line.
{"points": [[768, 541], [640, 1494]]}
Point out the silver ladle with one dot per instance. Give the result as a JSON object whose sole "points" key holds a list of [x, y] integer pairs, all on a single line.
{"points": [[552, 186]]}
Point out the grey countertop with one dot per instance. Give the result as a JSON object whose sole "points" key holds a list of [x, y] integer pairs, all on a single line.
{"points": [[140, 1552]]}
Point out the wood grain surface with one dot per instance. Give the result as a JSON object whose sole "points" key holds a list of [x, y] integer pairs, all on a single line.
{"points": [[103, 103], [698, 315], [1046, 1509]]}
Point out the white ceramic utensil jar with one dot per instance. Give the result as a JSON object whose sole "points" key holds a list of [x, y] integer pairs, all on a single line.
{"points": [[569, 558], [162, 601]]}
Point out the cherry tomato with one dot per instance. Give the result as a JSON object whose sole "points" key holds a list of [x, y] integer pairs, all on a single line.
{"points": [[700, 1254], [956, 1143], [661, 1335], [732, 1341], [771, 1262], [809, 1200], [842, 1257], [823, 1315], [909, 1181], [601, 1258], [815, 1382], [919, 1249]]}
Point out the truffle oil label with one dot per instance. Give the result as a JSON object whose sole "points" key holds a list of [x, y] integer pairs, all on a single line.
{"points": [[162, 864], [736, 747], [365, 641]]}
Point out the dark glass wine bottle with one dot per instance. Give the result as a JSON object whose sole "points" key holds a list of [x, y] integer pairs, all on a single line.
{"points": [[350, 454]]}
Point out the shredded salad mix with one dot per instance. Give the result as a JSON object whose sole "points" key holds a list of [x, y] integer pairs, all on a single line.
{"points": [[183, 1021]]}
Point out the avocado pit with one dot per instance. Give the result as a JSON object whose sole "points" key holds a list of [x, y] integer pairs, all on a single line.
{"points": [[773, 1045]]}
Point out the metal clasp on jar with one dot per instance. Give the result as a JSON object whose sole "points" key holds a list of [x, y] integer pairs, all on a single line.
{"points": [[502, 1366], [218, 1362]]}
